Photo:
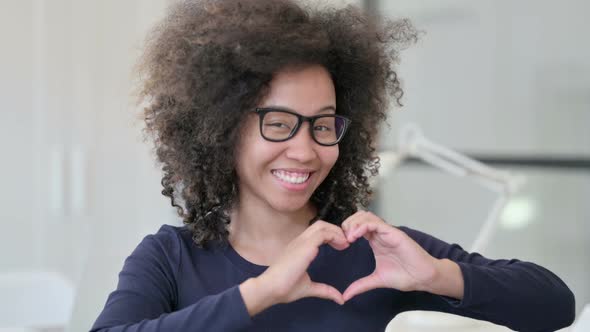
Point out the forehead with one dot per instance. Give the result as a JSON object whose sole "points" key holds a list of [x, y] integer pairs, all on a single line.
{"points": [[306, 90]]}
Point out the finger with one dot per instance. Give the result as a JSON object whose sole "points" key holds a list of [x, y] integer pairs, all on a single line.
{"points": [[325, 292], [362, 285], [374, 225], [353, 223], [337, 240], [324, 225], [325, 236], [362, 230], [347, 223], [330, 234]]}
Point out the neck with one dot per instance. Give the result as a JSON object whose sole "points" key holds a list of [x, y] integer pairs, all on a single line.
{"points": [[264, 227]]}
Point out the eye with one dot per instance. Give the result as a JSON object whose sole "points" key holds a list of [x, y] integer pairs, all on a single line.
{"points": [[322, 128], [278, 125]]}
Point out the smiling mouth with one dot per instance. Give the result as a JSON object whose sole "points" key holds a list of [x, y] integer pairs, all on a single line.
{"points": [[291, 177]]}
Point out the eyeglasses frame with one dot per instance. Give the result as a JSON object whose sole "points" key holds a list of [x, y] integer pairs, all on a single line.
{"points": [[262, 111]]}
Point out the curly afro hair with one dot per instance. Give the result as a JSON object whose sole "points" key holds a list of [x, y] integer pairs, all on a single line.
{"points": [[210, 62]]}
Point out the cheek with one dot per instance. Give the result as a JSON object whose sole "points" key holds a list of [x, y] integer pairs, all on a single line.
{"points": [[330, 157], [248, 145], [256, 154]]}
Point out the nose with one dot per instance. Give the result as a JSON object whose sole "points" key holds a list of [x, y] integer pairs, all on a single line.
{"points": [[302, 147]]}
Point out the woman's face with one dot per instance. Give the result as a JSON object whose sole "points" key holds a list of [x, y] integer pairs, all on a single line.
{"points": [[284, 175]]}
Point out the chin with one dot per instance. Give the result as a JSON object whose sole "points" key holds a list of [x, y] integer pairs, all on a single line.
{"points": [[289, 205]]}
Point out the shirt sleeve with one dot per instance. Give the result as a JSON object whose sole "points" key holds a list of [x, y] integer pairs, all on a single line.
{"points": [[145, 298], [520, 295]]}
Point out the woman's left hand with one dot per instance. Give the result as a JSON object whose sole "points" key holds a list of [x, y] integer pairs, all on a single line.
{"points": [[400, 262]]}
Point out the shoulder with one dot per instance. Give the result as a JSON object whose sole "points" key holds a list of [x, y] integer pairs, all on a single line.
{"points": [[167, 243], [162, 251], [167, 237], [176, 245], [172, 233]]}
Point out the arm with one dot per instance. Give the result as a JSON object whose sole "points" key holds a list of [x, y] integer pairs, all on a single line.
{"points": [[520, 295], [430, 274], [145, 298]]}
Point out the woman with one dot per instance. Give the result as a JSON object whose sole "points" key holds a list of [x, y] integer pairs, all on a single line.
{"points": [[264, 115]]}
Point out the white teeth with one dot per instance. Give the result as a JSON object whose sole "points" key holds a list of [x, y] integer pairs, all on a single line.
{"points": [[294, 178]]}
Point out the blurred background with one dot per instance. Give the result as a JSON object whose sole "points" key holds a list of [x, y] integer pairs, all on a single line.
{"points": [[505, 82]]}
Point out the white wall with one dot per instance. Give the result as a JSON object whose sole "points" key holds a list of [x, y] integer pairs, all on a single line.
{"points": [[505, 74], [17, 123], [506, 77], [80, 188]]}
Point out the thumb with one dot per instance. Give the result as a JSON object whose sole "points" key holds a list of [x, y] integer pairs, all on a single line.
{"points": [[325, 292], [362, 285]]}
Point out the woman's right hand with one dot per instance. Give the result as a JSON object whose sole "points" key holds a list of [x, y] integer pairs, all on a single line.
{"points": [[286, 280]]}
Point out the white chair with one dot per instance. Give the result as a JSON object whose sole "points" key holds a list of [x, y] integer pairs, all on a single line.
{"points": [[34, 300], [582, 324]]}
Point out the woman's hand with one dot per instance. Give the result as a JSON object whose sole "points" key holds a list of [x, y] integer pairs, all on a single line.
{"points": [[287, 280], [400, 262]]}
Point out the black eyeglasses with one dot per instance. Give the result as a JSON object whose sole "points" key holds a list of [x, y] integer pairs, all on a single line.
{"points": [[278, 125]]}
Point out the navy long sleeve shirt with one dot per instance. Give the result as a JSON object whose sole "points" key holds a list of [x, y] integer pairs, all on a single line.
{"points": [[169, 284]]}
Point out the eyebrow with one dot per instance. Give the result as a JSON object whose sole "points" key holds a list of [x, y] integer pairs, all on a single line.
{"points": [[323, 109]]}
